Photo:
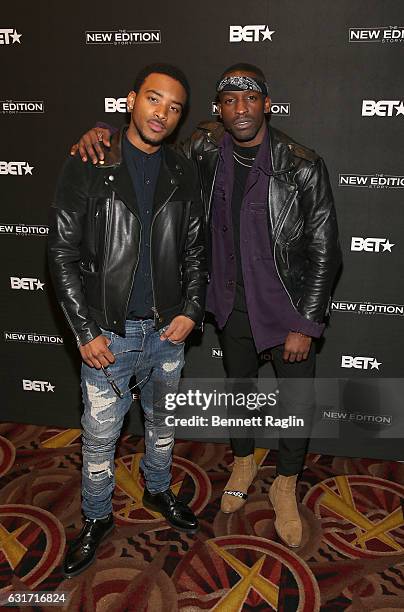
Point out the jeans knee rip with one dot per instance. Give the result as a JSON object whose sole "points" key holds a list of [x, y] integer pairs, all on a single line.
{"points": [[98, 471], [164, 442], [98, 402], [170, 366]]}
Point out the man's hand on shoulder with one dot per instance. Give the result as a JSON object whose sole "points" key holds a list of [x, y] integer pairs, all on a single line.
{"points": [[297, 347], [96, 353], [89, 145]]}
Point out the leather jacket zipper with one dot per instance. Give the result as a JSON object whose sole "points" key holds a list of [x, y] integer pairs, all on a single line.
{"points": [[154, 307], [106, 248], [275, 241], [136, 265], [211, 193], [71, 324]]}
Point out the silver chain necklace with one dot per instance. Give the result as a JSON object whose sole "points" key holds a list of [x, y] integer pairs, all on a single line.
{"points": [[241, 163], [242, 156], [237, 157]]}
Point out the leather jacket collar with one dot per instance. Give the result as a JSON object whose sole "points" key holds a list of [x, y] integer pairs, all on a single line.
{"points": [[280, 146], [113, 156]]}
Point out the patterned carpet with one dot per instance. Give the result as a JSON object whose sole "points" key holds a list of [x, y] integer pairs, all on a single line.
{"points": [[352, 557]]}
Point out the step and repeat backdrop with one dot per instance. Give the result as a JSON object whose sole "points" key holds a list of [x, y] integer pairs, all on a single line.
{"points": [[335, 75]]}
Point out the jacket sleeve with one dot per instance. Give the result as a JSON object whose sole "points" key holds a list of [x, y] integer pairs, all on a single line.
{"points": [[322, 249], [195, 273], [66, 226]]}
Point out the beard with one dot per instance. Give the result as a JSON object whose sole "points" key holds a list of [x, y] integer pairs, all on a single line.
{"points": [[146, 139], [244, 135]]}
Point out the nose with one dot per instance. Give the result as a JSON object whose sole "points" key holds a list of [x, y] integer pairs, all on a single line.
{"points": [[241, 106], [161, 112]]}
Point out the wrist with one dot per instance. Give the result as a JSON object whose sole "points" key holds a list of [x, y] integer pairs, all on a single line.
{"points": [[292, 331]]}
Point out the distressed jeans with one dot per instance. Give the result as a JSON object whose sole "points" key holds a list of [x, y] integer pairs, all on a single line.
{"points": [[159, 364]]}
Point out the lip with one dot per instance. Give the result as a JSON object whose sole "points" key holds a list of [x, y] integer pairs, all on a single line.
{"points": [[156, 126], [243, 123]]}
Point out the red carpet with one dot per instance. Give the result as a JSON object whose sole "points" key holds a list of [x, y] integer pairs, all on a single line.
{"points": [[352, 557]]}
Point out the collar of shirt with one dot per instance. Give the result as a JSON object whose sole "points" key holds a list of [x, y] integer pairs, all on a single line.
{"points": [[262, 161], [138, 154]]}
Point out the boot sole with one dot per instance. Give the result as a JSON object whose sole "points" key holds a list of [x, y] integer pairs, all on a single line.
{"points": [[285, 542], [182, 529], [77, 572]]}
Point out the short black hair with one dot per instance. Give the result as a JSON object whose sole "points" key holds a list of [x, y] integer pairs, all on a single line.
{"points": [[161, 68], [242, 66]]}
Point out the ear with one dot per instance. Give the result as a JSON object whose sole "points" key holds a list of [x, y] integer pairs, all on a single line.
{"points": [[130, 100], [219, 108], [267, 104]]}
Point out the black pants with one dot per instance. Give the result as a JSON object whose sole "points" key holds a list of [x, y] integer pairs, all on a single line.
{"points": [[241, 360]]}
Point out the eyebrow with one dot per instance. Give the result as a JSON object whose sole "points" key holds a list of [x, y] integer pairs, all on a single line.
{"points": [[158, 93]]}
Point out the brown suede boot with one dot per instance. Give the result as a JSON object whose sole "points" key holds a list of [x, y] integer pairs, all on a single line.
{"points": [[288, 525], [235, 493]]}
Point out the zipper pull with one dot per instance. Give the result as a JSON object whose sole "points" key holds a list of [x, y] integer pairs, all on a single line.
{"points": [[156, 315]]}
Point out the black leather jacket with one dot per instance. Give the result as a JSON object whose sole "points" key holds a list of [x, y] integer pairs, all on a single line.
{"points": [[302, 220], [94, 239]]}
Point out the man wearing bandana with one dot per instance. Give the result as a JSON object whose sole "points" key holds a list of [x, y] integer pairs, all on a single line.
{"points": [[274, 257]]}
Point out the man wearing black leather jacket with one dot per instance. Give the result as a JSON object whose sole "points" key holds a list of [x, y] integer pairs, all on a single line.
{"points": [[127, 258], [274, 254]]}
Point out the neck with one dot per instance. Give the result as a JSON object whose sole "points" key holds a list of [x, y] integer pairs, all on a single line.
{"points": [[137, 141]]}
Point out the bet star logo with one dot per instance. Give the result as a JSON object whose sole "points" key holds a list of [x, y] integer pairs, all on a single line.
{"points": [[382, 108], [28, 284], [250, 33], [9, 36], [360, 363], [16, 168], [371, 245]]}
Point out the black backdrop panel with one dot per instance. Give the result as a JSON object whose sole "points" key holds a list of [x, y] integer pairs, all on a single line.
{"points": [[335, 76]]}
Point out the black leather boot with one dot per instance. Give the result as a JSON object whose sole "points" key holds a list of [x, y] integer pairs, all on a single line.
{"points": [[176, 512], [81, 551]]}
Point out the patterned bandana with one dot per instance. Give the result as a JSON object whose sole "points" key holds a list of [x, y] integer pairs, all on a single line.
{"points": [[242, 83]]}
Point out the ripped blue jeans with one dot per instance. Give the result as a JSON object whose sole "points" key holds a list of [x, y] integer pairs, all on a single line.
{"points": [[159, 364]]}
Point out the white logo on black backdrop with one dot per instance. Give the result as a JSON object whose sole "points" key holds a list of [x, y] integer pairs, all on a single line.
{"points": [[217, 353], [28, 284], [368, 308], [281, 109], [382, 108], [24, 230], [37, 385], [12, 107], [115, 105], [32, 338], [250, 33], [122, 37], [358, 417], [360, 363], [9, 36], [371, 245], [16, 168], [372, 181], [384, 35]]}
